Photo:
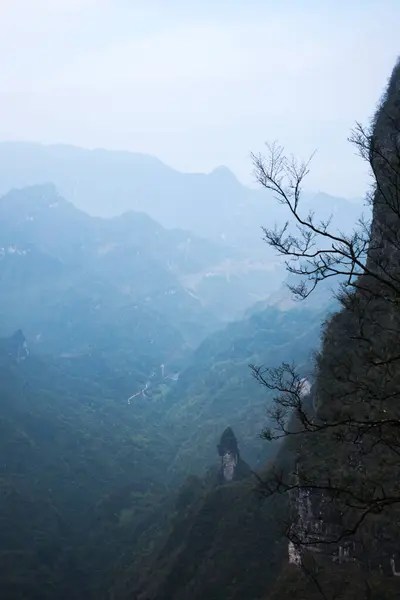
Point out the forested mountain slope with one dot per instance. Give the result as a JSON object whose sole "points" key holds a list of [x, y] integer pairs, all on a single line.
{"points": [[74, 456], [219, 542], [88, 473], [217, 384]]}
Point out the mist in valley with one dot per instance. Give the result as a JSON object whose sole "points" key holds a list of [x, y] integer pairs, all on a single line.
{"points": [[198, 373]]}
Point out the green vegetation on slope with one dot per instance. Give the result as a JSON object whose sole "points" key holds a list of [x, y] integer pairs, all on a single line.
{"points": [[74, 458], [217, 388], [220, 543]]}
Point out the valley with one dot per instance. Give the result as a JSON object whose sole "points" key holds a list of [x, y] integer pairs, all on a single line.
{"points": [[125, 355], [199, 300], [140, 339]]}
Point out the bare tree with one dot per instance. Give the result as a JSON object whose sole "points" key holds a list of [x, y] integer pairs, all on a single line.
{"points": [[318, 252], [348, 429]]}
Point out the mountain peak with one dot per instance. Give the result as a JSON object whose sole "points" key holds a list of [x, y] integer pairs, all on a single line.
{"points": [[36, 196], [223, 174]]}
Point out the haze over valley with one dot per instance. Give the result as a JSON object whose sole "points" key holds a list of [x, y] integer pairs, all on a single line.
{"points": [[127, 340], [199, 292]]}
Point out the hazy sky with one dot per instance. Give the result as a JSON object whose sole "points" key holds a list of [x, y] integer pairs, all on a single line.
{"points": [[199, 83]]}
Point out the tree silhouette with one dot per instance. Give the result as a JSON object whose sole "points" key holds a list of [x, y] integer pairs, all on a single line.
{"points": [[347, 430]]}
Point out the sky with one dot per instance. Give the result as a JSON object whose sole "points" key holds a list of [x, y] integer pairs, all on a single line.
{"points": [[199, 83]]}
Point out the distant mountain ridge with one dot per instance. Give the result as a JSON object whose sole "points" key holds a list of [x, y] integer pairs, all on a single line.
{"points": [[109, 183], [137, 254]]}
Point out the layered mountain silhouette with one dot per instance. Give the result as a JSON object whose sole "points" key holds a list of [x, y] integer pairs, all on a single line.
{"points": [[109, 183], [50, 249]]}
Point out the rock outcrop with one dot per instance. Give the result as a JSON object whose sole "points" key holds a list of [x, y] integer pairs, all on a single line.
{"points": [[232, 468], [15, 347]]}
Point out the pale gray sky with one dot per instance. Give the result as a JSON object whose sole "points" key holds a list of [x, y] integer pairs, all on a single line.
{"points": [[199, 83]]}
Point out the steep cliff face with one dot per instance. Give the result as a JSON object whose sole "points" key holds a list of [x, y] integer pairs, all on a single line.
{"points": [[345, 508], [384, 158]]}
